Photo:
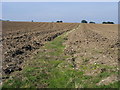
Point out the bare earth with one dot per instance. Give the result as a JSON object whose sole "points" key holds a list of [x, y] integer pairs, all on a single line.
{"points": [[85, 44], [22, 38]]}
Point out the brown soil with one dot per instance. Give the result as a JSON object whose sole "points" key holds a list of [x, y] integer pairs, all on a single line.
{"points": [[86, 44], [21, 39], [92, 44]]}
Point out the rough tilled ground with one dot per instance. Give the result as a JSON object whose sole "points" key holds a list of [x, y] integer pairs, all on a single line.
{"points": [[98, 42], [21, 39], [77, 56], [93, 44]]}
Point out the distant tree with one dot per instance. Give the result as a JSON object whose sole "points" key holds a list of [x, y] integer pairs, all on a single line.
{"points": [[32, 21], [59, 21], [108, 22], [83, 21], [92, 22]]}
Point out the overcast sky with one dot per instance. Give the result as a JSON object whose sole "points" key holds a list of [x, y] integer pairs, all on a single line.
{"points": [[66, 11]]}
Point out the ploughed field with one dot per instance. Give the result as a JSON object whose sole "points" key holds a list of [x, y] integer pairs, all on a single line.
{"points": [[20, 39], [56, 55]]}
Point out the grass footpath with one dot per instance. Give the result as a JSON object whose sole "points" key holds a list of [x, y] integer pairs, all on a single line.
{"points": [[50, 69]]}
